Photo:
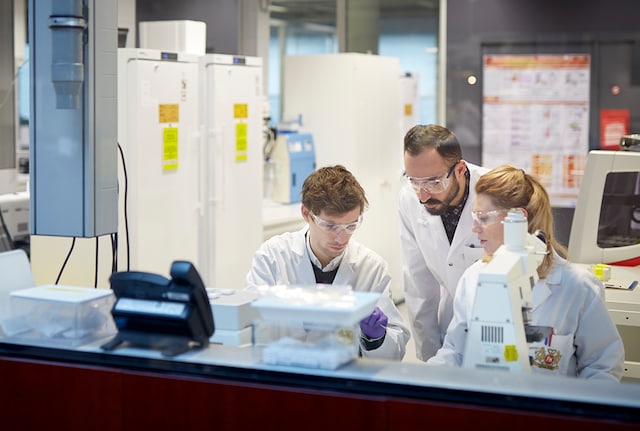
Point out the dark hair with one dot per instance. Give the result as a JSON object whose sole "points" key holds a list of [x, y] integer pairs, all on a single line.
{"points": [[442, 139], [333, 189], [510, 187]]}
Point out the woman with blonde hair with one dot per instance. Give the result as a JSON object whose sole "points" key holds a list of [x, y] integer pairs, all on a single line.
{"points": [[568, 298]]}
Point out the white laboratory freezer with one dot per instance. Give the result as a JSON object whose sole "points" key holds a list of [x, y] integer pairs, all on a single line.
{"points": [[191, 137], [158, 133], [352, 104], [190, 129], [231, 109]]}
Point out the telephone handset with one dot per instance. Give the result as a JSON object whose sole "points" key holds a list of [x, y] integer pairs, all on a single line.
{"points": [[153, 311]]}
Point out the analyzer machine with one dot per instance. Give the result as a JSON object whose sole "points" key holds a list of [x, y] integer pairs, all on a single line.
{"points": [[292, 159]]}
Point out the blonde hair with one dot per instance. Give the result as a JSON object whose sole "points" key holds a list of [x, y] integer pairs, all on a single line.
{"points": [[510, 187]]}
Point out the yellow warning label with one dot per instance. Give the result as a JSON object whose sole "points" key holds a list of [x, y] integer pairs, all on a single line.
{"points": [[510, 353], [240, 110], [170, 149], [169, 113]]}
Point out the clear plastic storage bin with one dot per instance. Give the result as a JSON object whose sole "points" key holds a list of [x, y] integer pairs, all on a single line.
{"points": [[306, 345], [315, 326], [59, 315]]}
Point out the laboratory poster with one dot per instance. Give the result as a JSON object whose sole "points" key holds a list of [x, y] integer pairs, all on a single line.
{"points": [[536, 117]]}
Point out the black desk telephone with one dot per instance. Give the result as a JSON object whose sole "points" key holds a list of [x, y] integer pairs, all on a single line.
{"points": [[173, 315]]}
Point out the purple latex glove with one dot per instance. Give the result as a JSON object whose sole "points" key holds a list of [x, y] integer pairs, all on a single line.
{"points": [[375, 325]]}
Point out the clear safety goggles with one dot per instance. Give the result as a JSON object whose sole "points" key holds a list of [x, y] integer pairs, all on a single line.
{"points": [[335, 228], [486, 218], [431, 184]]}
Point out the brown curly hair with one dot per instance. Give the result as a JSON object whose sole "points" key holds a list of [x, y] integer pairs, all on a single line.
{"points": [[333, 189]]}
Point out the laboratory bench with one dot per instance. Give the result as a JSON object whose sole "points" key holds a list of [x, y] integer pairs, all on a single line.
{"points": [[226, 387], [278, 218]]}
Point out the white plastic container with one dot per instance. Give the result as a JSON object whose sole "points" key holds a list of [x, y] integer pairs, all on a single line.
{"points": [[323, 304], [63, 316]]}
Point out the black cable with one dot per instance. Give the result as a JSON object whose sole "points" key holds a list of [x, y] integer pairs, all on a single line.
{"points": [[73, 243], [114, 252], [95, 278], [126, 217], [269, 143]]}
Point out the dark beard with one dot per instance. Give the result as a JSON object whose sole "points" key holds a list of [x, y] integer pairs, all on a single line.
{"points": [[445, 204]]}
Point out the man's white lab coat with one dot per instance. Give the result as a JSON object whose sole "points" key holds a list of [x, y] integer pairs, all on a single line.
{"points": [[283, 259], [432, 266]]}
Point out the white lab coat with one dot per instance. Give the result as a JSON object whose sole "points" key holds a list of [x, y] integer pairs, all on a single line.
{"points": [[283, 259], [432, 266], [570, 300]]}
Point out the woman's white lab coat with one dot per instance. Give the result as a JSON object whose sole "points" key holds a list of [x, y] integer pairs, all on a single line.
{"points": [[432, 266], [283, 259], [570, 300]]}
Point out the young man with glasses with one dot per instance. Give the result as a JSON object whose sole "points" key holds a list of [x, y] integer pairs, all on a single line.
{"points": [[435, 230], [324, 253]]}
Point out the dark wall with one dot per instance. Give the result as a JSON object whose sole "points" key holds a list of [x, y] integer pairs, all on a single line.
{"points": [[221, 16], [609, 31]]}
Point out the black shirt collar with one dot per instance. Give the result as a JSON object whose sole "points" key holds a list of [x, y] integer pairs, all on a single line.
{"points": [[451, 216]]}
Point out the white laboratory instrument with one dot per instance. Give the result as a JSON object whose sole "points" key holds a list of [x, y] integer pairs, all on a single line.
{"points": [[606, 221], [233, 314], [497, 333], [292, 160], [231, 167], [157, 130], [14, 219], [606, 230], [630, 142]]}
